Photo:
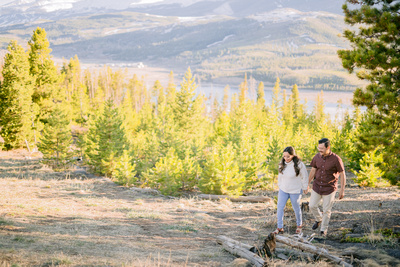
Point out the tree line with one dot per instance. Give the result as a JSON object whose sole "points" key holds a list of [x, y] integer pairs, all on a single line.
{"points": [[168, 137]]}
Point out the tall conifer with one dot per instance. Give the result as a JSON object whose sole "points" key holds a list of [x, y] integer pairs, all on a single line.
{"points": [[106, 140], [44, 71], [56, 139], [16, 111], [375, 57]]}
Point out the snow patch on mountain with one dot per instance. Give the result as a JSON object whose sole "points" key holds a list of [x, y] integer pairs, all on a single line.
{"points": [[224, 9], [288, 14], [145, 2], [54, 5], [278, 15], [220, 42]]}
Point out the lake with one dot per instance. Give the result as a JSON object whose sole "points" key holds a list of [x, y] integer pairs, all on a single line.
{"points": [[336, 102]]}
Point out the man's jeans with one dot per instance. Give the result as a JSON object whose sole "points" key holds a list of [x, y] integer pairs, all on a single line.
{"points": [[327, 203], [295, 199]]}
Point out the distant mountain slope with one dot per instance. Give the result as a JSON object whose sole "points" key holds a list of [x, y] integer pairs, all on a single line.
{"points": [[237, 8], [26, 11], [219, 39]]}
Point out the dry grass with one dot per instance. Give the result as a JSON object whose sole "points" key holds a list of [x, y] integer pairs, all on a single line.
{"points": [[61, 219]]}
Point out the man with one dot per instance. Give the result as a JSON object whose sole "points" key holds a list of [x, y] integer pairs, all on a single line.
{"points": [[326, 168]]}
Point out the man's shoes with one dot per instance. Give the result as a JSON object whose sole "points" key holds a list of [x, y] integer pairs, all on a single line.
{"points": [[324, 233], [316, 225]]}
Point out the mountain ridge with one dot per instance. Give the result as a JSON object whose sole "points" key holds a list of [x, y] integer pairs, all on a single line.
{"points": [[219, 39]]}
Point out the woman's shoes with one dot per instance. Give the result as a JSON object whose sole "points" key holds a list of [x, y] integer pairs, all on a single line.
{"points": [[278, 231]]}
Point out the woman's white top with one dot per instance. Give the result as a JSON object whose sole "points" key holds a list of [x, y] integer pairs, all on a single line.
{"points": [[289, 183]]}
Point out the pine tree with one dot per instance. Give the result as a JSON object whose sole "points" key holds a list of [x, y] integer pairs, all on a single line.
{"points": [[130, 119], [319, 109], [44, 71], [287, 109], [261, 96], [76, 92], [106, 140], [243, 91], [171, 89], [171, 174], [276, 94], [56, 139], [221, 173], [298, 109], [188, 111], [16, 111], [124, 171], [375, 57], [225, 100]]}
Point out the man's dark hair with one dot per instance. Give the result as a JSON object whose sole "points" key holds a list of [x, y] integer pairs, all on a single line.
{"points": [[325, 141]]}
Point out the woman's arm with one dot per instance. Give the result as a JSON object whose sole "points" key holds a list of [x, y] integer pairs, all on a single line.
{"points": [[310, 178], [304, 177]]}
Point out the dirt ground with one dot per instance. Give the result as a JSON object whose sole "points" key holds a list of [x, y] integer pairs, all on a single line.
{"points": [[77, 219]]}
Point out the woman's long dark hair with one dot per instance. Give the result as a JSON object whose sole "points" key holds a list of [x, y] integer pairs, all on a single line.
{"points": [[295, 159]]}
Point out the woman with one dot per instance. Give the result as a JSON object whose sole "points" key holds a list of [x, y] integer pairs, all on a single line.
{"points": [[292, 180]]}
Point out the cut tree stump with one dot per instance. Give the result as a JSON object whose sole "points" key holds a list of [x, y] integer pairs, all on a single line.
{"points": [[241, 250], [310, 248], [237, 199]]}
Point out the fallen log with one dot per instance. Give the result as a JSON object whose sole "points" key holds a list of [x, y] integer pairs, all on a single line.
{"points": [[298, 254], [241, 250], [236, 199], [222, 238], [145, 190], [310, 248]]}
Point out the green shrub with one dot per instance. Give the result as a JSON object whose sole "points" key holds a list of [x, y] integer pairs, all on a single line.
{"points": [[370, 172], [171, 174], [221, 173], [124, 171]]}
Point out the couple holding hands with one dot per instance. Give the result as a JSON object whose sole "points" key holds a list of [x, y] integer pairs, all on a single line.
{"points": [[293, 180]]}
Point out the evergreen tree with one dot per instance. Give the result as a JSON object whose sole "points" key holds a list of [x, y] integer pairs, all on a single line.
{"points": [[222, 126], [16, 111], [319, 109], [106, 140], [55, 142], [171, 174], [375, 57], [370, 173], [261, 96], [298, 109], [45, 73], [276, 94], [76, 92], [130, 119], [225, 99], [287, 109], [221, 174], [171, 89], [124, 171], [188, 111], [243, 90], [138, 92]]}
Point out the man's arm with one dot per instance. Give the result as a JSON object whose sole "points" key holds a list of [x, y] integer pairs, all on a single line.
{"points": [[310, 178]]}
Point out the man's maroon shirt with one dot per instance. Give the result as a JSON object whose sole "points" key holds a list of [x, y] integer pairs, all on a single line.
{"points": [[325, 183]]}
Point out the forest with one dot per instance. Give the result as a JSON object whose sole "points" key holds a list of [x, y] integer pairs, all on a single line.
{"points": [[169, 138]]}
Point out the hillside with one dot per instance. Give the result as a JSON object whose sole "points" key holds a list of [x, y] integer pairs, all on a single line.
{"points": [[219, 40], [78, 219]]}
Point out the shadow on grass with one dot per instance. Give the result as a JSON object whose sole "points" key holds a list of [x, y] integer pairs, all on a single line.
{"points": [[34, 169]]}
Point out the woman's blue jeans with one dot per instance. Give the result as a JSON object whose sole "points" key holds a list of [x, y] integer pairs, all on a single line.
{"points": [[295, 199]]}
